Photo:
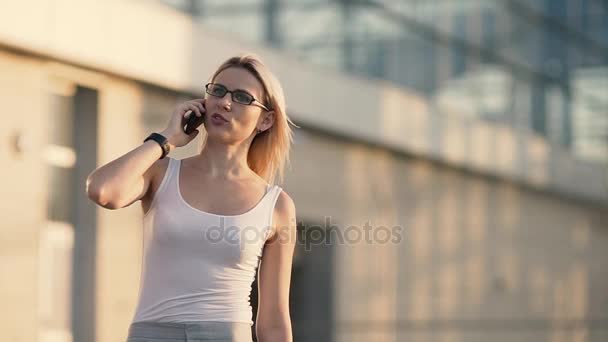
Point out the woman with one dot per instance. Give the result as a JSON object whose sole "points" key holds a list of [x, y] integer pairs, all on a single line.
{"points": [[211, 219]]}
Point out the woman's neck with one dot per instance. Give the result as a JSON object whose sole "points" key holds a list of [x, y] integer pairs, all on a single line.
{"points": [[222, 163]]}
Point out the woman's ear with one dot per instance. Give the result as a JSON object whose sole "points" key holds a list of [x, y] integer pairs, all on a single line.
{"points": [[268, 119]]}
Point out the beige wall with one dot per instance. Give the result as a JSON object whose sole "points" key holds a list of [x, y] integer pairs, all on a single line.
{"points": [[22, 207], [480, 259]]}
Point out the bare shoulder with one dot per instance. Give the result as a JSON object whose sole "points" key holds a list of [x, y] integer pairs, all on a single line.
{"points": [[284, 216], [285, 204]]}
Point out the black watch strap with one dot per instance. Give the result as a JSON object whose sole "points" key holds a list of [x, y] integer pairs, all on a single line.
{"points": [[162, 141]]}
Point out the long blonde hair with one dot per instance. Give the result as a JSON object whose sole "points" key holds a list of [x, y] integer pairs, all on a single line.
{"points": [[269, 151]]}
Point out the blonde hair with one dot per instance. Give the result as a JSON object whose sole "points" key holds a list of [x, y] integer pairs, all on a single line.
{"points": [[269, 151]]}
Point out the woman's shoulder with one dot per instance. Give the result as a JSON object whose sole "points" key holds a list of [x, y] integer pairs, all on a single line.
{"points": [[285, 206], [284, 215]]}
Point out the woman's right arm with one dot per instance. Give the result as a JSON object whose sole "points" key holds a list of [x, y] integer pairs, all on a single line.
{"points": [[127, 179]]}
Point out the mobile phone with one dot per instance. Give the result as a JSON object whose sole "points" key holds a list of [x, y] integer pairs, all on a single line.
{"points": [[193, 122]]}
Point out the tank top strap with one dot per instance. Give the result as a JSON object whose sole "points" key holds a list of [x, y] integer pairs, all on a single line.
{"points": [[172, 167], [165, 187], [170, 174], [173, 171], [273, 196]]}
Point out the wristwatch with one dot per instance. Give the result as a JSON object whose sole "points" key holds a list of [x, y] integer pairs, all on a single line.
{"points": [[162, 141]]}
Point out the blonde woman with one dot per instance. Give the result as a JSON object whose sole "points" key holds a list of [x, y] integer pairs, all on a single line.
{"points": [[211, 219]]}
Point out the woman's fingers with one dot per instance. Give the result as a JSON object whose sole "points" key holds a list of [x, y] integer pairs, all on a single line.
{"points": [[194, 106], [200, 109], [195, 109]]}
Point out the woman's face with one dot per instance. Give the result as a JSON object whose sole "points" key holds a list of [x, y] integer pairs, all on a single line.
{"points": [[243, 120]]}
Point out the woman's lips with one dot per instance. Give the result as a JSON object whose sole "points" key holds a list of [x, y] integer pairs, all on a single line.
{"points": [[219, 116], [217, 119]]}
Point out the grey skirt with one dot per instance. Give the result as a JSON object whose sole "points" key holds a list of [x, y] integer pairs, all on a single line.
{"points": [[190, 332]]}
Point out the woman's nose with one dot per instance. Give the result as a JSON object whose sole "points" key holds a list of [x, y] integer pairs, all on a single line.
{"points": [[226, 101]]}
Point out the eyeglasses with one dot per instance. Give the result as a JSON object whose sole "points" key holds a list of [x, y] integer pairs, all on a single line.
{"points": [[238, 96]]}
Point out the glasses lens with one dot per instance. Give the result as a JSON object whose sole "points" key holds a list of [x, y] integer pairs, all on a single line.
{"points": [[242, 97], [216, 90]]}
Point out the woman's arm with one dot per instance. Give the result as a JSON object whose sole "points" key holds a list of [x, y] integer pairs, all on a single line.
{"points": [[273, 323], [125, 180]]}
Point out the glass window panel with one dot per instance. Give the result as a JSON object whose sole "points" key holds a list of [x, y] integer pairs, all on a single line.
{"points": [[60, 189], [61, 122]]}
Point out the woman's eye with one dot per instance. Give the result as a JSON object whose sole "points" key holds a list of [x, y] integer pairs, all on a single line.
{"points": [[243, 97]]}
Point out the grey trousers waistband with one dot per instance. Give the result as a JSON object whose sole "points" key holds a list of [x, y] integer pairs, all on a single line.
{"points": [[191, 331]]}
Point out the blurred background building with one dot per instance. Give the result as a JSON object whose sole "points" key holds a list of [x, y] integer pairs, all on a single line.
{"points": [[539, 65], [479, 127]]}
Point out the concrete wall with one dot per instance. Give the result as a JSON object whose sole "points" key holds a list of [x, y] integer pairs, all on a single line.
{"points": [[480, 259], [23, 206], [28, 84]]}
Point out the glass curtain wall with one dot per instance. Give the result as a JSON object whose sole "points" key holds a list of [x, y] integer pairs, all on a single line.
{"points": [[539, 65]]}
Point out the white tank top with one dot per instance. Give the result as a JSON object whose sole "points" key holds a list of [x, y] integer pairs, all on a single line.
{"points": [[199, 266]]}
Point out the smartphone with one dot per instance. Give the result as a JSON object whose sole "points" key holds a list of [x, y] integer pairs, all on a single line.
{"points": [[193, 122]]}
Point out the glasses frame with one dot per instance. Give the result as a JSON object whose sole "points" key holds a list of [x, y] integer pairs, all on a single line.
{"points": [[260, 104]]}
